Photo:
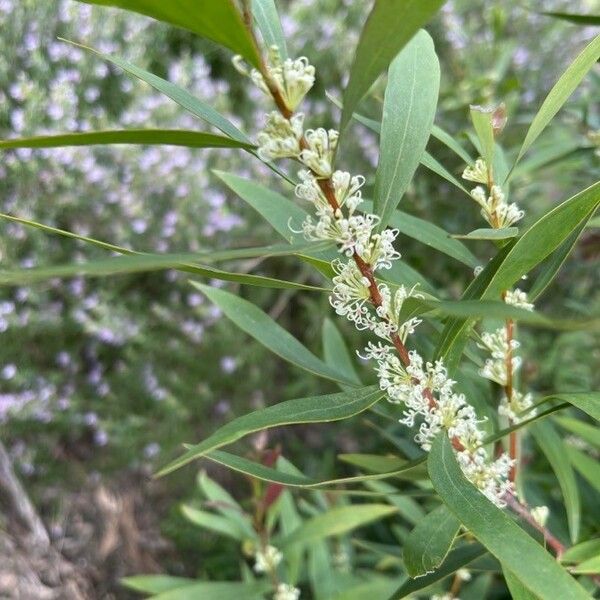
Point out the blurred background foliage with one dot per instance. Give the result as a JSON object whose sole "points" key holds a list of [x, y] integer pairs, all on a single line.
{"points": [[101, 380]]}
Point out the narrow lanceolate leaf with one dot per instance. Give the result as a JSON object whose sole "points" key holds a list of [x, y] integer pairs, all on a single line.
{"points": [[457, 559], [219, 21], [168, 137], [403, 469], [561, 91], [389, 27], [267, 19], [540, 573], [142, 263], [266, 331], [581, 552], [443, 136], [428, 544], [337, 521], [588, 468], [218, 590], [517, 259], [155, 584], [552, 446], [179, 95], [588, 433], [575, 18], [482, 119], [429, 234], [552, 265], [517, 590], [490, 234], [588, 402], [408, 112], [212, 522], [438, 168], [336, 352], [316, 409], [588, 567]]}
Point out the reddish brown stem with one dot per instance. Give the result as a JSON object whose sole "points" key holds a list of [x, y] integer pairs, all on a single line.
{"points": [[520, 509]]}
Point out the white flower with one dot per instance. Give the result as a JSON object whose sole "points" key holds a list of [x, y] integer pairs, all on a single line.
{"points": [[389, 313], [494, 208], [518, 298], [320, 151], [280, 137], [286, 592], [293, 78], [478, 172], [540, 515], [267, 559], [496, 343], [377, 249], [464, 575], [517, 404], [331, 225], [350, 294]]}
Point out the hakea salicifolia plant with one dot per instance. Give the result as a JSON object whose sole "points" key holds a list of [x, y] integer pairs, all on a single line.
{"points": [[424, 389], [503, 362]]}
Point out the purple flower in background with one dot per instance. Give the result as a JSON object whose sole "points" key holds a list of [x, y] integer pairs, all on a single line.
{"points": [[228, 364]]}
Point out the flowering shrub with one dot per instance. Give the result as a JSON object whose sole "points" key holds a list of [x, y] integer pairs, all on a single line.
{"points": [[466, 451]]}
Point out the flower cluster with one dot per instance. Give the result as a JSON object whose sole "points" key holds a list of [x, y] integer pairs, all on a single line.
{"points": [[292, 79], [504, 362], [423, 388], [266, 559], [285, 591], [494, 207]]}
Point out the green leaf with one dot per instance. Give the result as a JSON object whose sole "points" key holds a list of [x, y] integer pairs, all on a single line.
{"points": [[212, 522], [408, 111], [587, 432], [588, 402], [218, 590], [582, 551], [574, 18], [429, 234], [457, 559], [517, 590], [224, 503], [155, 584], [561, 91], [552, 446], [337, 521], [265, 13], [428, 544], [516, 260], [280, 212], [373, 462], [179, 95], [436, 167], [143, 263], [540, 573], [588, 567], [482, 119], [588, 467], [389, 27], [439, 134], [497, 310], [169, 137], [550, 267], [316, 409], [269, 333], [259, 471], [490, 234], [219, 21], [336, 352], [371, 588]]}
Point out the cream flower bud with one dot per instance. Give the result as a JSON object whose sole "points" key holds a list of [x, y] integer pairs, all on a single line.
{"points": [[267, 559], [518, 298], [320, 151], [478, 172], [285, 591], [540, 515], [280, 137]]}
